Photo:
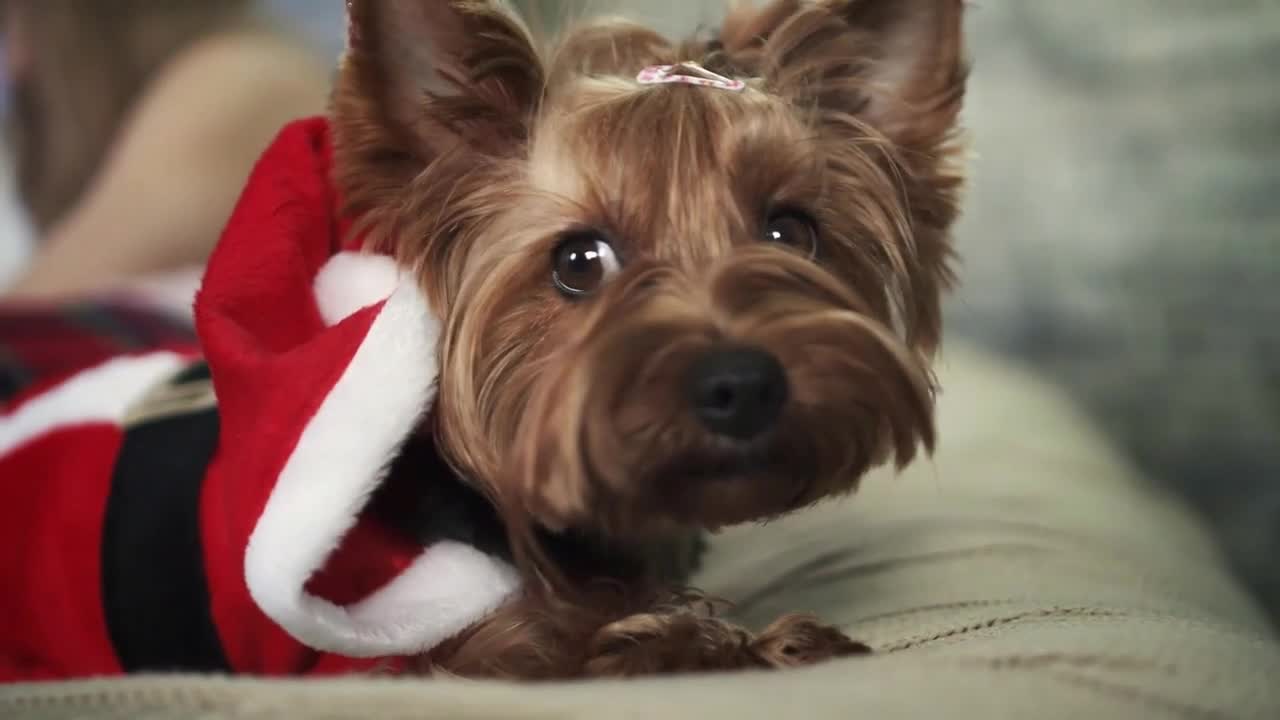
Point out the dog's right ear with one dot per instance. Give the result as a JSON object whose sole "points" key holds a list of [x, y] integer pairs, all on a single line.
{"points": [[425, 79]]}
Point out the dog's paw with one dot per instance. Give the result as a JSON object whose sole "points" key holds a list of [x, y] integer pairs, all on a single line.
{"points": [[688, 641], [670, 642], [801, 640]]}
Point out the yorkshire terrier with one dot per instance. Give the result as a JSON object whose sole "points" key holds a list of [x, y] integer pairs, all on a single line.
{"points": [[682, 286]]}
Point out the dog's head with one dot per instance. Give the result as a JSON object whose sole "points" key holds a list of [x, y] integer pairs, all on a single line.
{"points": [[666, 304]]}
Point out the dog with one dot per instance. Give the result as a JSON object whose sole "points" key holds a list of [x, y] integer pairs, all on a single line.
{"points": [[484, 353], [682, 286]]}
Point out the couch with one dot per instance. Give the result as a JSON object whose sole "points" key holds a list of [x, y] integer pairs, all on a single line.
{"points": [[1026, 571]]}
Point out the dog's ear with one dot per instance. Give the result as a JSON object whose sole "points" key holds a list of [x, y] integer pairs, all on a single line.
{"points": [[422, 79], [897, 65]]}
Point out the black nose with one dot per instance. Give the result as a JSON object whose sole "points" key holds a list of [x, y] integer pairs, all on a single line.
{"points": [[737, 392]]}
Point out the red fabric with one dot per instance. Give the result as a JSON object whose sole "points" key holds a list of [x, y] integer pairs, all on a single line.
{"points": [[52, 495], [271, 356], [272, 361]]}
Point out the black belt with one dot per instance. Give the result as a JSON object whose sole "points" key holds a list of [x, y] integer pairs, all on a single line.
{"points": [[154, 589]]}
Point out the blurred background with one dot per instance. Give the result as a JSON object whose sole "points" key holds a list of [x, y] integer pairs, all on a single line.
{"points": [[1122, 233]]}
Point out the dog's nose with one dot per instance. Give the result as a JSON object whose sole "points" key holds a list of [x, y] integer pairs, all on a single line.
{"points": [[738, 392]]}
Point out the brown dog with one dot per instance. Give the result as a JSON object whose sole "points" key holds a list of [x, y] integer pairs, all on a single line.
{"points": [[667, 305]]}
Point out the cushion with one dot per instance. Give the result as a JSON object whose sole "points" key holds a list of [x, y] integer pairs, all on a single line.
{"points": [[1026, 571]]}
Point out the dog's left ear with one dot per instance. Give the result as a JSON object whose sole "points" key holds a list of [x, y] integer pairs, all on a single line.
{"points": [[915, 78], [425, 79], [897, 65]]}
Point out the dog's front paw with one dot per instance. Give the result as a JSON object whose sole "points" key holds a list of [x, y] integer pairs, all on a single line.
{"points": [[687, 641], [802, 640], [670, 642]]}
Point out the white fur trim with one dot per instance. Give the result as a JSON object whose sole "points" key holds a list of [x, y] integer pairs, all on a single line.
{"points": [[448, 587], [339, 460], [350, 281], [103, 393]]}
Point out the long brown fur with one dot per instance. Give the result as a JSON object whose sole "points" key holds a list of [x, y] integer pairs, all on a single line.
{"points": [[468, 150]]}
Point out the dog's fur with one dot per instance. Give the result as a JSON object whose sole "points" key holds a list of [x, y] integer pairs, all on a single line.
{"points": [[470, 152]]}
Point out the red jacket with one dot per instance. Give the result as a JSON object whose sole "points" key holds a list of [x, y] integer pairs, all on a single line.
{"points": [[149, 527]]}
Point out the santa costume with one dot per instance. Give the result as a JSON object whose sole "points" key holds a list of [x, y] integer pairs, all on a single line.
{"points": [[213, 506]]}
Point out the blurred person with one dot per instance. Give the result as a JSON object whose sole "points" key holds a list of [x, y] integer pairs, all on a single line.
{"points": [[133, 125]]}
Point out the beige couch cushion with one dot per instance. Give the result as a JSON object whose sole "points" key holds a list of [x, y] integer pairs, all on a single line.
{"points": [[1025, 572]]}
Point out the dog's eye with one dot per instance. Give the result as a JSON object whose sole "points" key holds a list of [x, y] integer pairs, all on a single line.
{"points": [[793, 228], [582, 262]]}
